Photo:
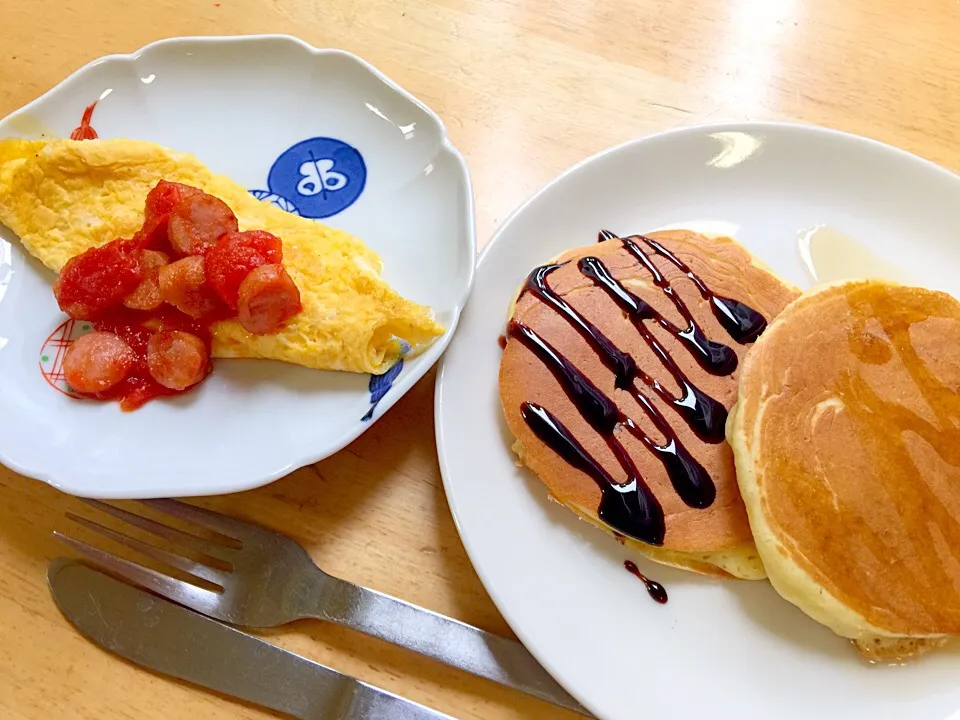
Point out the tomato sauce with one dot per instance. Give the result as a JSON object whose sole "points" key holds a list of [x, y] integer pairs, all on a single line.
{"points": [[94, 285], [136, 328]]}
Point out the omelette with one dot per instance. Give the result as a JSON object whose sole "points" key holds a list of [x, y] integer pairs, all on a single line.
{"points": [[63, 197]]}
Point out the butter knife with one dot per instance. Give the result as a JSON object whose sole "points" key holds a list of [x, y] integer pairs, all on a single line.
{"points": [[172, 640]]}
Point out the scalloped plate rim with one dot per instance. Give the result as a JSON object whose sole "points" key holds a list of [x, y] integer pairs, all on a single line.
{"points": [[424, 361]]}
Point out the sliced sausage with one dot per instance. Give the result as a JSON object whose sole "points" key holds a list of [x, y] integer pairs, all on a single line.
{"points": [[183, 284], [234, 256], [79, 308], [98, 279], [177, 359], [268, 297], [164, 197], [153, 234], [160, 202], [147, 296], [97, 361], [197, 222]]}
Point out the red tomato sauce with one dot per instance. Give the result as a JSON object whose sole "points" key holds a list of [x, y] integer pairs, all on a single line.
{"points": [[136, 328], [94, 285]]}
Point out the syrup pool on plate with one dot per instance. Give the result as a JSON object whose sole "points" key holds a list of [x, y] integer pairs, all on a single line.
{"points": [[829, 255]]}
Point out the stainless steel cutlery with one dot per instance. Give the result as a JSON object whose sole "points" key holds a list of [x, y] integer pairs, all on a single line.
{"points": [[258, 578], [170, 639]]}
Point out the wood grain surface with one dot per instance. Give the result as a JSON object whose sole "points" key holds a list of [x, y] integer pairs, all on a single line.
{"points": [[526, 88]]}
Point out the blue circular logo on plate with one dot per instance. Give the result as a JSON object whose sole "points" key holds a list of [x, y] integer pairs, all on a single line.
{"points": [[320, 176]]}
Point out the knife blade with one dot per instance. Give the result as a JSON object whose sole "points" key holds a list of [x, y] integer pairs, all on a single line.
{"points": [[160, 635]]}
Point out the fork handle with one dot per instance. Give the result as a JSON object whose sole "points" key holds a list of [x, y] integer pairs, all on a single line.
{"points": [[450, 641]]}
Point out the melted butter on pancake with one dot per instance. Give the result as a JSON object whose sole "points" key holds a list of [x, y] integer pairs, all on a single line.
{"points": [[847, 440]]}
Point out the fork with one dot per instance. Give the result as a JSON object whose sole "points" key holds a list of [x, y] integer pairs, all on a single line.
{"points": [[265, 579]]}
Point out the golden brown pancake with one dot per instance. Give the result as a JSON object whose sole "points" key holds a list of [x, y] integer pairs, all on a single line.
{"points": [[708, 534], [847, 442]]}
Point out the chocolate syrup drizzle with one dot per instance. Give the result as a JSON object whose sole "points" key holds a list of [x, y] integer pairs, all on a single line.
{"points": [[742, 323], [706, 416], [654, 589], [689, 478], [630, 505], [631, 508]]}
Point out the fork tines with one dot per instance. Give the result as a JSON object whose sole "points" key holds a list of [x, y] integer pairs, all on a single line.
{"points": [[206, 569]]}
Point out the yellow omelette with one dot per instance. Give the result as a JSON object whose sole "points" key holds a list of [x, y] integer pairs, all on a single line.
{"points": [[65, 196]]}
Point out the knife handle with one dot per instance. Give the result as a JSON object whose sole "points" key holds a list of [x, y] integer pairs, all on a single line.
{"points": [[372, 703], [450, 641], [315, 692]]}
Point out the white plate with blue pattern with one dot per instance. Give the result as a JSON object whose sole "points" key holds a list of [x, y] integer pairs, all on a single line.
{"points": [[320, 133]]}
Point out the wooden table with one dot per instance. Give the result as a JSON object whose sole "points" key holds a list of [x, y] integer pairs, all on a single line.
{"points": [[526, 87]]}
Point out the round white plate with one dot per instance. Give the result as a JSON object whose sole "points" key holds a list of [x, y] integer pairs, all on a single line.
{"points": [[717, 649], [257, 109]]}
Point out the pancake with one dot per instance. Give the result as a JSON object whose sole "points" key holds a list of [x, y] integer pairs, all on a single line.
{"points": [[594, 410], [847, 444]]}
